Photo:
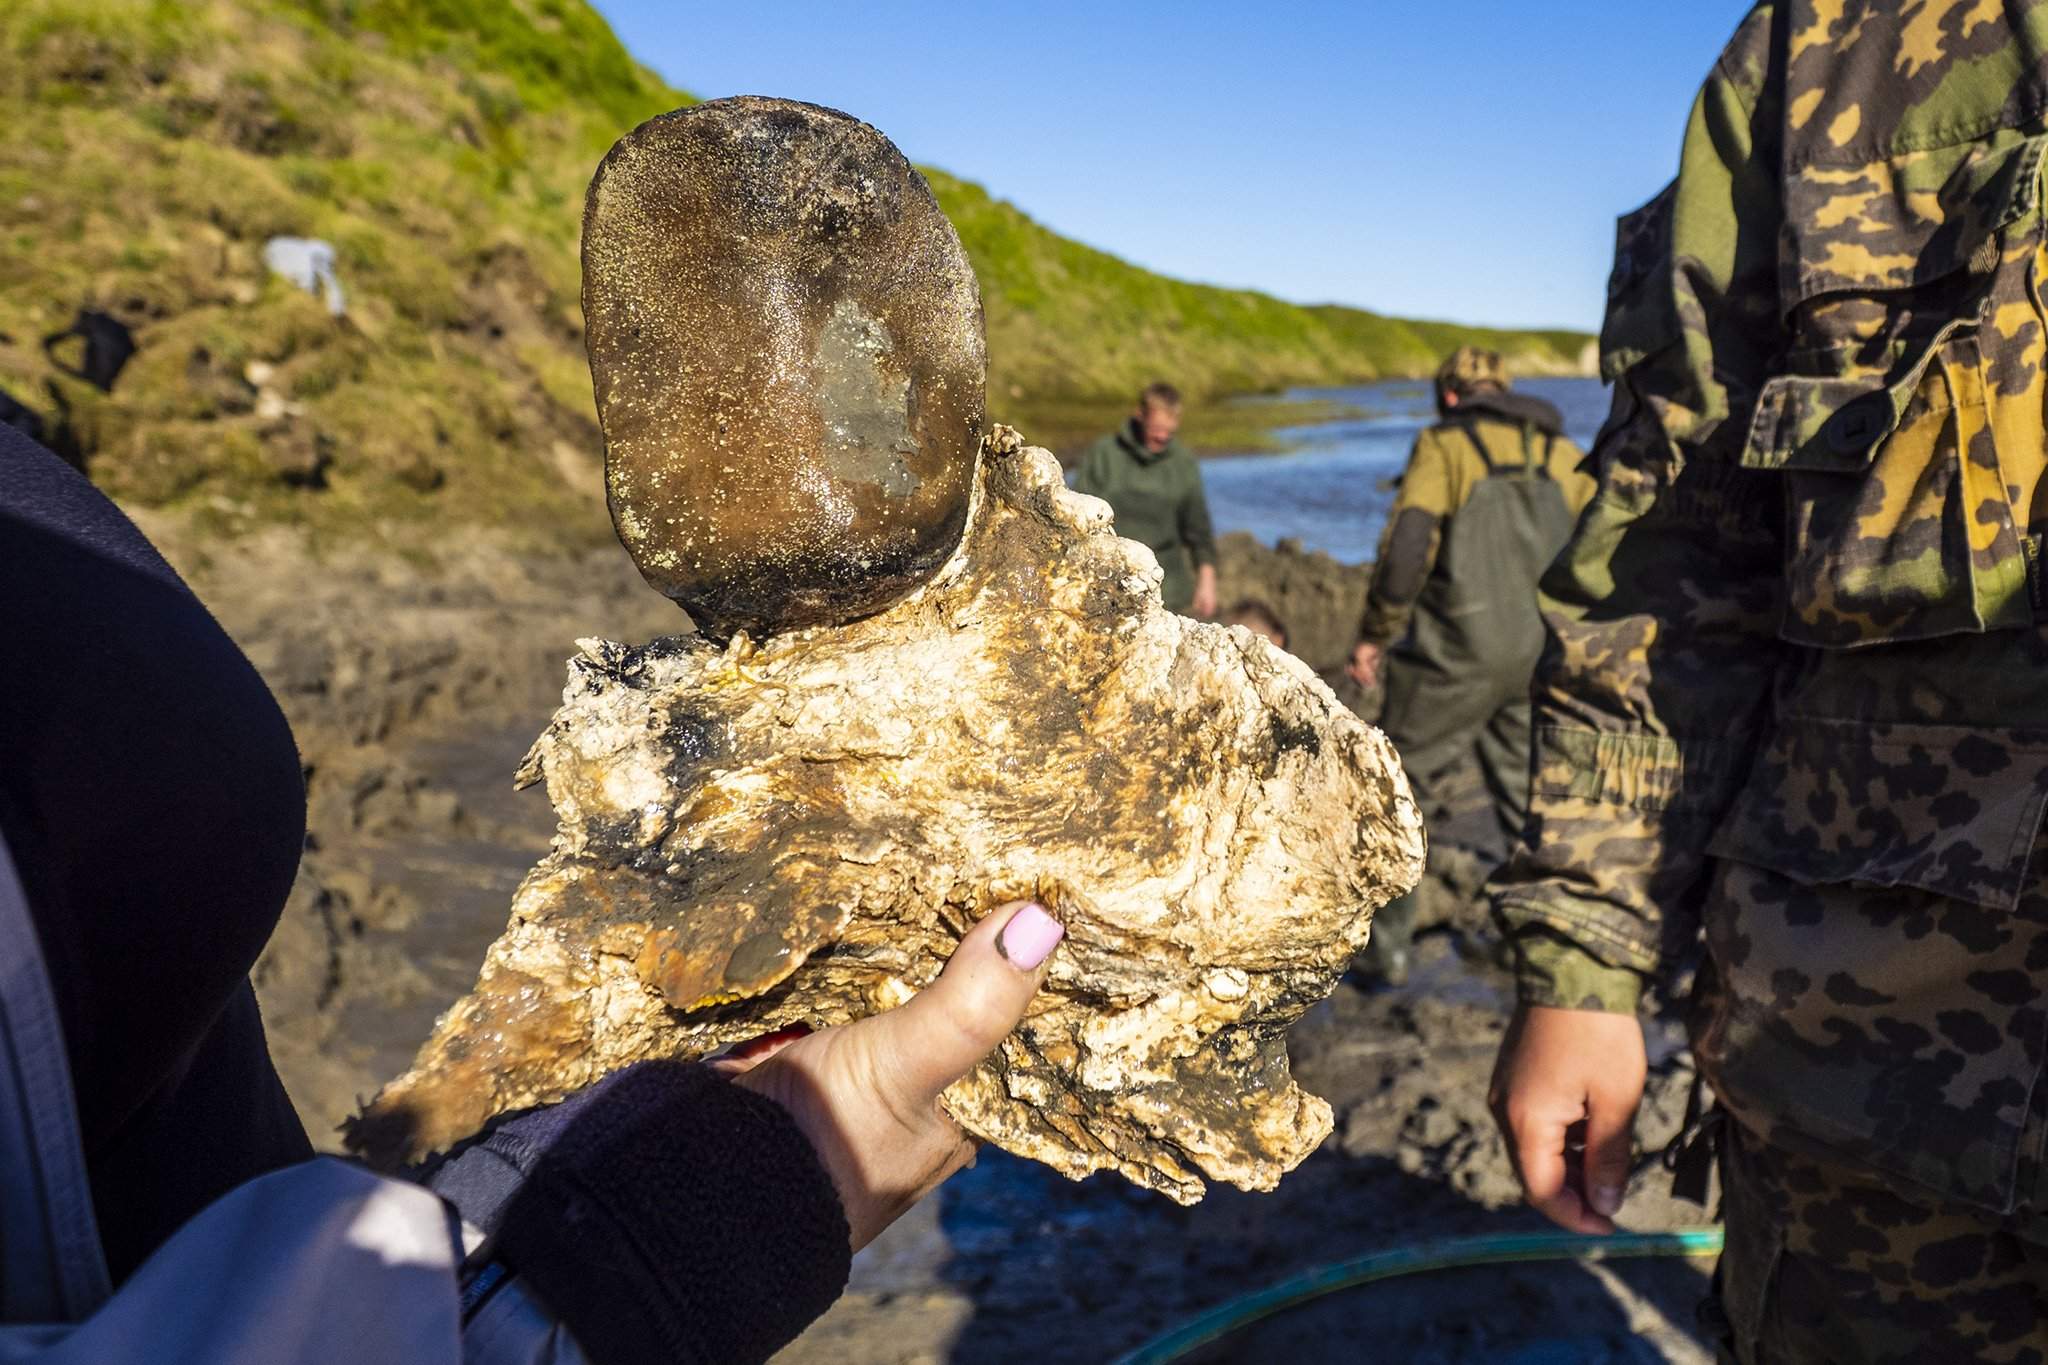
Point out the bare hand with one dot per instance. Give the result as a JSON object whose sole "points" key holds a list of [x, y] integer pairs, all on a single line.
{"points": [[1565, 1092], [867, 1095], [1364, 667], [1204, 605]]}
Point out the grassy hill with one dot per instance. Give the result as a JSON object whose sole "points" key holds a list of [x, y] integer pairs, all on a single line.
{"points": [[1068, 321], [443, 147]]}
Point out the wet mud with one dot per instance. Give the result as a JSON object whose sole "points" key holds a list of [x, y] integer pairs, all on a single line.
{"points": [[415, 689]]}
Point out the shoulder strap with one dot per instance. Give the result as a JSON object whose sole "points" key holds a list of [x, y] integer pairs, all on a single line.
{"points": [[1470, 426], [51, 1265], [1533, 468], [76, 329]]}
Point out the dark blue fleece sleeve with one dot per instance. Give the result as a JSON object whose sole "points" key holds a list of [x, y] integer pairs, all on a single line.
{"points": [[664, 1214]]}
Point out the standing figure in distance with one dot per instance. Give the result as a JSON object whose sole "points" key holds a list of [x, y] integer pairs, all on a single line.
{"points": [[1155, 489], [1489, 497], [1795, 706]]}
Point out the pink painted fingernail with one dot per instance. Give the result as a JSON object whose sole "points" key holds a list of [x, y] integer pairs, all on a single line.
{"points": [[1029, 938]]}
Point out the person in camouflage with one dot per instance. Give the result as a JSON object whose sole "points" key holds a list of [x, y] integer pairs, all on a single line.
{"points": [[1488, 499], [1792, 721]]}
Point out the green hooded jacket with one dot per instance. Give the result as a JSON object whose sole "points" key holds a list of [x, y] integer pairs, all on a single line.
{"points": [[1158, 501]]}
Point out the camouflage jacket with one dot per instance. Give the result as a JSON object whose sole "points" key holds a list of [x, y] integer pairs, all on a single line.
{"points": [[1507, 434], [1795, 699]]}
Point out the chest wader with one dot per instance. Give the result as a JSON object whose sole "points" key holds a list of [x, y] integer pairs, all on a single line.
{"points": [[1458, 685]]}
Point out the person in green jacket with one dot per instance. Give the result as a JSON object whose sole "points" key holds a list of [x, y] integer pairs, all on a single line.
{"points": [[1155, 489], [1489, 497]]}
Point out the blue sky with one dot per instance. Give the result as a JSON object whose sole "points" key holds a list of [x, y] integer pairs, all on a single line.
{"points": [[1462, 161]]}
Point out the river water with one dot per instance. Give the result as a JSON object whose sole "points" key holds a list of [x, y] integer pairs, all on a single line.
{"points": [[1332, 493]]}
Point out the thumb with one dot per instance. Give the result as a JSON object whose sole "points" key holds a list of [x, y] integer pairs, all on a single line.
{"points": [[946, 1029]]}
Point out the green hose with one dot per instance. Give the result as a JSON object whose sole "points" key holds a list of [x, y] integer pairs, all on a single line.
{"points": [[1447, 1253]]}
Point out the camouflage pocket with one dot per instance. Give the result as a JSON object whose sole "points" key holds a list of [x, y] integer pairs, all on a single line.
{"points": [[1899, 525], [1949, 809], [1907, 288], [1876, 924]]}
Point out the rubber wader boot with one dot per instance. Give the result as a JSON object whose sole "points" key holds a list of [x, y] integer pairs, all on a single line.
{"points": [[1385, 956]]}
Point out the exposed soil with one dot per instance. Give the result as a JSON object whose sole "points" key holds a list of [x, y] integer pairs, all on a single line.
{"points": [[415, 687], [1011, 1263]]}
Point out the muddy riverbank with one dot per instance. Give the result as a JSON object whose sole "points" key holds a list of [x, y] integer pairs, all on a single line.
{"points": [[415, 685]]}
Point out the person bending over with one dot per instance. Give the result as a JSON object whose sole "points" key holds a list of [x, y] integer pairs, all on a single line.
{"points": [[1258, 618]]}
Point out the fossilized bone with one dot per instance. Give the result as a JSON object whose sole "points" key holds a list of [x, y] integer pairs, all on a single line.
{"points": [[795, 825]]}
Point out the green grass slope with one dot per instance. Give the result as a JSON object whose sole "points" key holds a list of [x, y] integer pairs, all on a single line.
{"points": [[443, 146], [1066, 321]]}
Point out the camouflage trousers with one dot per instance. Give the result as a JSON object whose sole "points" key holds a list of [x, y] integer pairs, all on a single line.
{"points": [[1829, 1264]]}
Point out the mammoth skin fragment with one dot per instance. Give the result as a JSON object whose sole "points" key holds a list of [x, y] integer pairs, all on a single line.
{"points": [[785, 339], [800, 831]]}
